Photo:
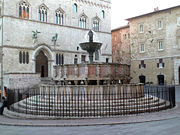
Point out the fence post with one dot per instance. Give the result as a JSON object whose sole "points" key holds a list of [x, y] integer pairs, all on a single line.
{"points": [[172, 96]]}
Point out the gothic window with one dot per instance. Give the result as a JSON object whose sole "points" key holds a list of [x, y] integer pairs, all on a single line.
{"points": [[27, 58], [75, 8], [102, 14], [42, 14], [59, 59], [20, 57], [23, 57], [82, 22], [96, 24], [59, 17], [23, 10]]}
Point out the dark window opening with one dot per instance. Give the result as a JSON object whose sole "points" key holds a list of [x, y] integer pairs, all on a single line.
{"points": [[160, 79], [142, 79]]}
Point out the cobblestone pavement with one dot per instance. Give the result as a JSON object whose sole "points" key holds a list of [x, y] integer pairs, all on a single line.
{"points": [[171, 126], [166, 127]]}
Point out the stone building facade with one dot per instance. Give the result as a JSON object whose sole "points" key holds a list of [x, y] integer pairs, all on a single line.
{"points": [[121, 45], [155, 47], [37, 35]]}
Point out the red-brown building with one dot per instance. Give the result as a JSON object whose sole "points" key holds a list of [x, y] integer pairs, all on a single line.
{"points": [[121, 45]]}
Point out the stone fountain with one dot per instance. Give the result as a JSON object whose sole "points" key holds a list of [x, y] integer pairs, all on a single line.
{"points": [[90, 45]]}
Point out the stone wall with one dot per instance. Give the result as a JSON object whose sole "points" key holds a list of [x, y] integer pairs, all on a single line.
{"points": [[150, 37], [17, 33], [152, 71], [121, 45], [21, 81]]}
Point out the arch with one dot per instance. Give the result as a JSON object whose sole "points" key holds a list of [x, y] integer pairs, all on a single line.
{"points": [[75, 8], [60, 10], [42, 64], [45, 48], [83, 21], [24, 9], [59, 16], [96, 23]]}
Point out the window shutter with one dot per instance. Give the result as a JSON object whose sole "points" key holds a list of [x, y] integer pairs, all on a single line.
{"points": [[163, 64], [139, 66], [157, 64]]}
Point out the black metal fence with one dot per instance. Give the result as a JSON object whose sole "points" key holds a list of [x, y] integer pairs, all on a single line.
{"points": [[82, 104]]}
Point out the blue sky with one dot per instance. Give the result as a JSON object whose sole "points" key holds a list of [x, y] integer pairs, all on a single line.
{"points": [[123, 9]]}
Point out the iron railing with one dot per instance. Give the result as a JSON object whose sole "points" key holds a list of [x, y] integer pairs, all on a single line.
{"points": [[81, 104]]}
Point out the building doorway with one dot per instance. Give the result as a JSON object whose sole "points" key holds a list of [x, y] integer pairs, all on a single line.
{"points": [[160, 79], [142, 79], [42, 64]]}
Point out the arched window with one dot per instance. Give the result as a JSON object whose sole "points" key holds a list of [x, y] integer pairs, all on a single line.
{"points": [[42, 14], [27, 58], [20, 57], [59, 17], [96, 24], [82, 22], [102, 14], [23, 10], [75, 8], [23, 57], [59, 59]]}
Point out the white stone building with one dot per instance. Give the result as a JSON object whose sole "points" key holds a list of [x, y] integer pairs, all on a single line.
{"points": [[62, 25]]}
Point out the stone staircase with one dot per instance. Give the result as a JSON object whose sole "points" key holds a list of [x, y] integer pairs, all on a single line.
{"points": [[51, 107]]}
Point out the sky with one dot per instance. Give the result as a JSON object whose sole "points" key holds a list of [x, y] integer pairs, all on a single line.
{"points": [[123, 9]]}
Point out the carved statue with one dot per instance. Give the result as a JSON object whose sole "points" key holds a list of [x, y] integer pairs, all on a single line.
{"points": [[90, 36], [54, 38], [35, 33]]}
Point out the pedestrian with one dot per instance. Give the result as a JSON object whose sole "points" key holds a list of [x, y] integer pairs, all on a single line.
{"points": [[4, 104]]}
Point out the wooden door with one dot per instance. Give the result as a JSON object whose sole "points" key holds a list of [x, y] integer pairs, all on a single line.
{"points": [[42, 64]]}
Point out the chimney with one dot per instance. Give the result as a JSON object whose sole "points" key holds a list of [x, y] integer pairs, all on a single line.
{"points": [[156, 9]]}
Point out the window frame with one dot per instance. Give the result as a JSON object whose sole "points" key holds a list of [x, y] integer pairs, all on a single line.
{"points": [[24, 9], [83, 22], [160, 46], [43, 13], [141, 28], [75, 8], [142, 46], [178, 21], [159, 23]]}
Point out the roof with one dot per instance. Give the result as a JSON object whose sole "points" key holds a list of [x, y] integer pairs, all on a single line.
{"points": [[154, 12], [122, 27]]}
